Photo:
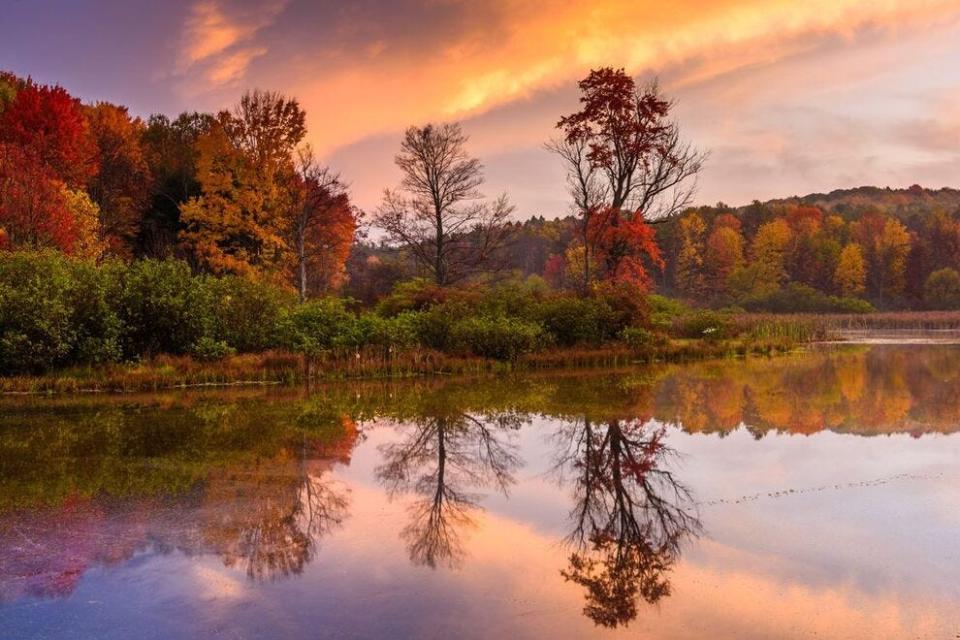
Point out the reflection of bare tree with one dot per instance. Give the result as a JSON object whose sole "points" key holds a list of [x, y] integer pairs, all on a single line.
{"points": [[442, 460], [631, 515]]}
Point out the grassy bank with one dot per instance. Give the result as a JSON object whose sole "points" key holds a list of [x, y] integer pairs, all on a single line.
{"points": [[279, 367]]}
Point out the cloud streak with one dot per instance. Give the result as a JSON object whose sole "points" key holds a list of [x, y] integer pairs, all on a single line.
{"points": [[219, 38], [516, 51]]}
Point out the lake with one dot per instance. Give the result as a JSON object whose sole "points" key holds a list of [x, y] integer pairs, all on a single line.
{"points": [[813, 495]]}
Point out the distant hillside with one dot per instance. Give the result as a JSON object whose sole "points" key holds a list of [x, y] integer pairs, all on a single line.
{"points": [[869, 243], [896, 202]]}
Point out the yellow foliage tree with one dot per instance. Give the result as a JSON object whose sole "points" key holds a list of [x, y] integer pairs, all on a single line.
{"points": [[850, 276], [236, 225], [689, 276]]}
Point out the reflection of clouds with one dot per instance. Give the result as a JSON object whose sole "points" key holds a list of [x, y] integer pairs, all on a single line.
{"points": [[216, 583]]}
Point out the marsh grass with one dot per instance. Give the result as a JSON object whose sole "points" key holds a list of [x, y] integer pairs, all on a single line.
{"points": [[280, 367]]}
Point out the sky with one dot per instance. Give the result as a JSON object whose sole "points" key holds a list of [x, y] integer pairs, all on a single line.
{"points": [[788, 97]]}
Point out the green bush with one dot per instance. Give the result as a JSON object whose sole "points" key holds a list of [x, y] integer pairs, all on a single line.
{"points": [[942, 290], [398, 332], [664, 310], [35, 311], [208, 349], [501, 338], [571, 321], [800, 298], [244, 313], [640, 338], [163, 308], [316, 326], [435, 326], [96, 325], [703, 324]]}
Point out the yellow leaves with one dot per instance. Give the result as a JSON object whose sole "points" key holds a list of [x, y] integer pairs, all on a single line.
{"points": [[86, 215], [850, 276], [236, 226]]}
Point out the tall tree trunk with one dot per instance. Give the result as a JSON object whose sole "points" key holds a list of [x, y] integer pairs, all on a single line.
{"points": [[302, 256]]}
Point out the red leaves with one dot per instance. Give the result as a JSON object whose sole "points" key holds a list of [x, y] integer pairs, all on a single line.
{"points": [[617, 121], [625, 246], [33, 210], [50, 122]]}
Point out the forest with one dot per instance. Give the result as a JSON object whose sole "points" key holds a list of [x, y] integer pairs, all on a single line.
{"points": [[211, 234]]}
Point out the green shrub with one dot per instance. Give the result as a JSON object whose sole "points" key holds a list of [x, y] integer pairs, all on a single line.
{"points": [[664, 310], [208, 349], [96, 325], [704, 324], [800, 298], [163, 308], [640, 338], [571, 321], [501, 338], [244, 313], [35, 311], [435, 326], [316, 326], [398, 332], [942, 290]]}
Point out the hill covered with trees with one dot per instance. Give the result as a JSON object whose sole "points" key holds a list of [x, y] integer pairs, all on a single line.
{"points": [[842, 251]]}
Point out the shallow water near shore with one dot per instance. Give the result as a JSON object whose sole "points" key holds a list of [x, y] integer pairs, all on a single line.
{"points": [[813, 495]]}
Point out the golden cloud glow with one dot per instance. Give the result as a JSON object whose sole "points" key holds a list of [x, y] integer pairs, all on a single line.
{"points": [[533, 49], [216, 36]]}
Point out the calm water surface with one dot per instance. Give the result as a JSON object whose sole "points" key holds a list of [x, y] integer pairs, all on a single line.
{"points": [[815, 495]]}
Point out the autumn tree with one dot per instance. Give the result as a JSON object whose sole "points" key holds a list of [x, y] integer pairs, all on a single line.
{"points": [[438, 214], [624, 132], [245, 168], [171, 151], [765, 270], [850, 276], [625, 248], [624, 158], [34, 212], [886, 244], [690, 275], [322, 226], [723, 255], [50, 123], [121, 187], [942, 289]]}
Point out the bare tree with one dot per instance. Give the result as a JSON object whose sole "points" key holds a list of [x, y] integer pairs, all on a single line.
{"points": [[438, 213], [587, 189]]}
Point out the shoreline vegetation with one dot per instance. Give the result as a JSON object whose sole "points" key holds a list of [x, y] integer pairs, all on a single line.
{"points": [[757, 335]]}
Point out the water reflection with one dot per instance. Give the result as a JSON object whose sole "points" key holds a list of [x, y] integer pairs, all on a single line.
{"points": [[264, 481], [219, 479], [630, 514], [446, 459]]}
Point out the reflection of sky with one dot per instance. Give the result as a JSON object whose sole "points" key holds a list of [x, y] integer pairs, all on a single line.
{"points": [[856, 561], [791, 97]]}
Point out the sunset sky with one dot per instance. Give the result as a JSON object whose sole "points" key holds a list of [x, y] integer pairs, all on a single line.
{"points": [[789, 97]]}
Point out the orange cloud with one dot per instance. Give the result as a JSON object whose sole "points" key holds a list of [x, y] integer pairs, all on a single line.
{"points": [[218, 37], [529, 50]]}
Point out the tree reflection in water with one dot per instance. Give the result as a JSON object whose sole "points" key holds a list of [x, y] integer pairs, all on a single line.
{"points": [[275, 518], [251, 487], [446, 459], [631, 515]]}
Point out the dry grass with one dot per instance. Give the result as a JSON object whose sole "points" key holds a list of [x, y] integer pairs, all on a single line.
{"points": [[276, 367]]}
